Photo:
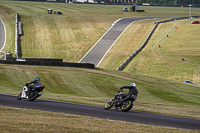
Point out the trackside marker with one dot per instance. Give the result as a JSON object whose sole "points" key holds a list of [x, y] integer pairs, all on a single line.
{"points": [[115, 22]]}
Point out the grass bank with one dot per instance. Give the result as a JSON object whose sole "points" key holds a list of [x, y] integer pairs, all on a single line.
{"points": [[15, 120], [95, 87], [165, 62], [70, 35]]}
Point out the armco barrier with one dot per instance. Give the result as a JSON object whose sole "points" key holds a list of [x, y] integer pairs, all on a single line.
{"points": [[123, 65], [45, 62], [18, 33], [17, 37]]}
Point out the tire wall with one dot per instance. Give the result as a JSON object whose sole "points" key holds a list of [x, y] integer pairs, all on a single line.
{"points": [[45, 62]]}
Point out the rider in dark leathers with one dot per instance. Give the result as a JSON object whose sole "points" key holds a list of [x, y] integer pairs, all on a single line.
{"points": [[132, 91], [36, 82]]}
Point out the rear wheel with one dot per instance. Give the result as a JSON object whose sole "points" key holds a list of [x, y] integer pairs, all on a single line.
{"points": [[127, 106], [19, 96], [33, 95], [108, 105]]}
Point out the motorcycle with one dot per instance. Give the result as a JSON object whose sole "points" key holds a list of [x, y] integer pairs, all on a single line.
{"points": [[34, 93], [119, 102]]}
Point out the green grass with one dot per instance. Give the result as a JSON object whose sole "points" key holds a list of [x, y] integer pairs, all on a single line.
{"points": [[183, 42], [95, 87], [165, 62], [127, 44], [70, 36]]}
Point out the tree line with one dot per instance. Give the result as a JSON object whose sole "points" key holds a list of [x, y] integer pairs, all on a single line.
{"points": [[172, 2], [151, 2]]}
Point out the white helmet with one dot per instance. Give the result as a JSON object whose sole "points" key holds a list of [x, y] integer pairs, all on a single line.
{"points": [[133, 84]]}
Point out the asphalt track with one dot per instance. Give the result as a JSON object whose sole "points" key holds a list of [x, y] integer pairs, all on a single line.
{"points": [[2, 35], [99, 112], [102, 46]]}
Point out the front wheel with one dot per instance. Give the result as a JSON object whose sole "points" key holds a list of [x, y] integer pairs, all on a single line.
{"points": [[108, 105], [19, 96], [127, 106], [33, 95]]}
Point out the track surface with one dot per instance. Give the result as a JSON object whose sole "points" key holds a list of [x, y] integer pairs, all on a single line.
{"points": [[99, 112], [2, 35], [99, 50]]}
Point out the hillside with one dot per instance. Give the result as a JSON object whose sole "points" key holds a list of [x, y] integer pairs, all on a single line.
{"points": [[164, 62], [70, 35], [95, 87]]}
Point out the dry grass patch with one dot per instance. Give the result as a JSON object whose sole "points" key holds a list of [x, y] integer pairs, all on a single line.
{"points": [[24, 120], [127, 44], [165, 62]]}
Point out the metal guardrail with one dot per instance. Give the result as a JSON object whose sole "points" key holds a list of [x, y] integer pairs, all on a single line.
{"points": [[45, 62], [18, 33], [123, 65]]}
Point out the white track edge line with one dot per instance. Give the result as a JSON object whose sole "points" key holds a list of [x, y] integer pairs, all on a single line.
{"points": [[5, 35], [97, 42], [114, 43]]}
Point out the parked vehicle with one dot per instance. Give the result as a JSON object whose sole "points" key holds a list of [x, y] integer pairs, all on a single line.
{"points": [[124, 105], [34, 93], [125, 9], [190, 82], [195, 22]]}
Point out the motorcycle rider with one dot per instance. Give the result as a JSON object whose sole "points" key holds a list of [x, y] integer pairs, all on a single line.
{"points": [[132, 91], [36, 82]]}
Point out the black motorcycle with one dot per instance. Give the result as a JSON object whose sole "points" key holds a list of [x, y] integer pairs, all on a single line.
{"points": [[120, 101], [34, 93]]}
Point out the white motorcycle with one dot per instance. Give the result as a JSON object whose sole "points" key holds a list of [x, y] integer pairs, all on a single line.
{"points": [[34, 93]]}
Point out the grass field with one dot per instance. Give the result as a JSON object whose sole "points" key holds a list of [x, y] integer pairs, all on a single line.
{"points": [[15, 120], [95, 87], [164, 62], [70, 35], [159, 73]]}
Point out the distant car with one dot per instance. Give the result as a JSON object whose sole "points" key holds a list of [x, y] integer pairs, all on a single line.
{"points": [[190, 82], [125, 9], [194, 22], [58, 12]]}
